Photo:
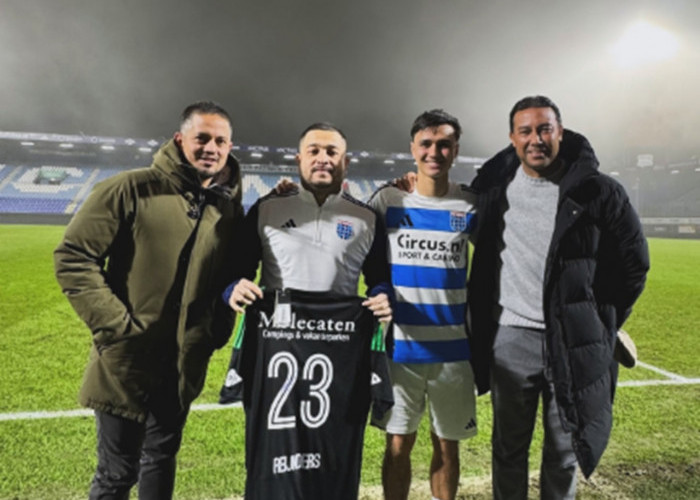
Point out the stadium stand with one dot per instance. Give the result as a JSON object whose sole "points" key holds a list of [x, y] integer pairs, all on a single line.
{"points": [[52, 174], [44, 178], [48, 189], [65, 193], [4, 171]]}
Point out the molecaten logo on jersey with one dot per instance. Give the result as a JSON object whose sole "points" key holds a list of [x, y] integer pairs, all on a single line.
{"points": [[326, 329], [344, 230]]}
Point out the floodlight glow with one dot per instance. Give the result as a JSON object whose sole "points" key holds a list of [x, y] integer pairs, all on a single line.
{"points": [[389, 162], [289, 157], [27, 143], [256, 155], [107, 147], [65, 145], [644, 42], [145, 149], [354, 160]]}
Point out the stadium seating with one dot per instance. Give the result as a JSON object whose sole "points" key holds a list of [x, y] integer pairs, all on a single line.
{"points": [[47, 190], [62, 190]]}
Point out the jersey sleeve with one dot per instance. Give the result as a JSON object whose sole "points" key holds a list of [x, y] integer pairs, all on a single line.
{"points": [[248, 251], [381, 390], [232, 389], [376, 266], [377, 201], [472, 197]]}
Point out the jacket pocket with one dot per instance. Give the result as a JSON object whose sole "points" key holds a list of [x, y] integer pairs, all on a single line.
{"points": [[132, 328]]}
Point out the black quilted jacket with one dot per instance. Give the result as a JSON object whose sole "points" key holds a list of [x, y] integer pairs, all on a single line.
{"points": [[595, 270]]}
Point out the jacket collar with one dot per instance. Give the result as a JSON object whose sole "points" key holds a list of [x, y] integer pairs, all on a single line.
{"points": [[170, 160], [309, 197], [577, 153]]}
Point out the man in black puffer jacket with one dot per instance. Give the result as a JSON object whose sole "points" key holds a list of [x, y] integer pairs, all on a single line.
{"points": [[559, 261]]}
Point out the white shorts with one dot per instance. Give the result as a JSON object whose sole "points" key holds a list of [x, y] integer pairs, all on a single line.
{"points": [[449, 389]]}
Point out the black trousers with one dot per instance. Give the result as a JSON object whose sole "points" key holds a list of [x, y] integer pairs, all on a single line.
{"points": [[129, 451]]}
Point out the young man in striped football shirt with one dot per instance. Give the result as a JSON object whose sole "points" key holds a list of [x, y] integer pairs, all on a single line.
{"points": [[428, 231]]}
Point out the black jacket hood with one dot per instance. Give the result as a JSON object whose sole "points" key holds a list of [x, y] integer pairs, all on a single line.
{"points": [[576, 152]]}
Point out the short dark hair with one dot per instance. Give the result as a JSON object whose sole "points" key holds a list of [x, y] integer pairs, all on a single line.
{"points": [[534, 101], [322, 126], [435, 118], [204, 108]]}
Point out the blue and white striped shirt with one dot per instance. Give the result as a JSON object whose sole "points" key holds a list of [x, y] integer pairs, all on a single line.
{"points": [[428, 239]]}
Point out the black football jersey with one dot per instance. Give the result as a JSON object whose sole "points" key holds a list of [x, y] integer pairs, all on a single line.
{"points": [[309, 365]]}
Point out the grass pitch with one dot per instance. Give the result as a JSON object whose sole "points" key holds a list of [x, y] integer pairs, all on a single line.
{"points": [[652, 452]]}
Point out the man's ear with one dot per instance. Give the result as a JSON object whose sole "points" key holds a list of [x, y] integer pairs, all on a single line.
{"points": [[177, 137], [412, 148]]}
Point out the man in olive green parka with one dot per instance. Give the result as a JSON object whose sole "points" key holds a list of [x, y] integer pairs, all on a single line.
{"points": [[143, 263]]}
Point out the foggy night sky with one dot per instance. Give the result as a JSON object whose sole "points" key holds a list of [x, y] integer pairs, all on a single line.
{"points": [[126, 68]]}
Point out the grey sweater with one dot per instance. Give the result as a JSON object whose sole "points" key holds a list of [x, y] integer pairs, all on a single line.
{"points": [[529, 223]]}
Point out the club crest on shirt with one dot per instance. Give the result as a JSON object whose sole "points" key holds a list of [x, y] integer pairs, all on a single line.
{"points": [[458, 221], [344, 230]]}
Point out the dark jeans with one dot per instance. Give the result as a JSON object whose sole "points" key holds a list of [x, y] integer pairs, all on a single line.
{"points": [[518, 381], [129, 451]]}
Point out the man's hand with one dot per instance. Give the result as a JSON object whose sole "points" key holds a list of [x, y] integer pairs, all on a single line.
{"points": [[285, 185], [406, 183], [380, 306], [244, 293]]}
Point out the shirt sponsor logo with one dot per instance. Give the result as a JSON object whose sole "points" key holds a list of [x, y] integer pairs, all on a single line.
{"points": [[311, 324], [344, 230], [406, 242], [423, 249], [326, 329]]}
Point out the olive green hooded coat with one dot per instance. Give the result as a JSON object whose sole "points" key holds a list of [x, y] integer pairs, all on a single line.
{"points": [[143, 263]]}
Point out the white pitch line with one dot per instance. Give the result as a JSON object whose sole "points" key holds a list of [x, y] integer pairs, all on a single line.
{"points": [[673, 379], [32, 415], [38, 415], [673, 376], [640, 383]]}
